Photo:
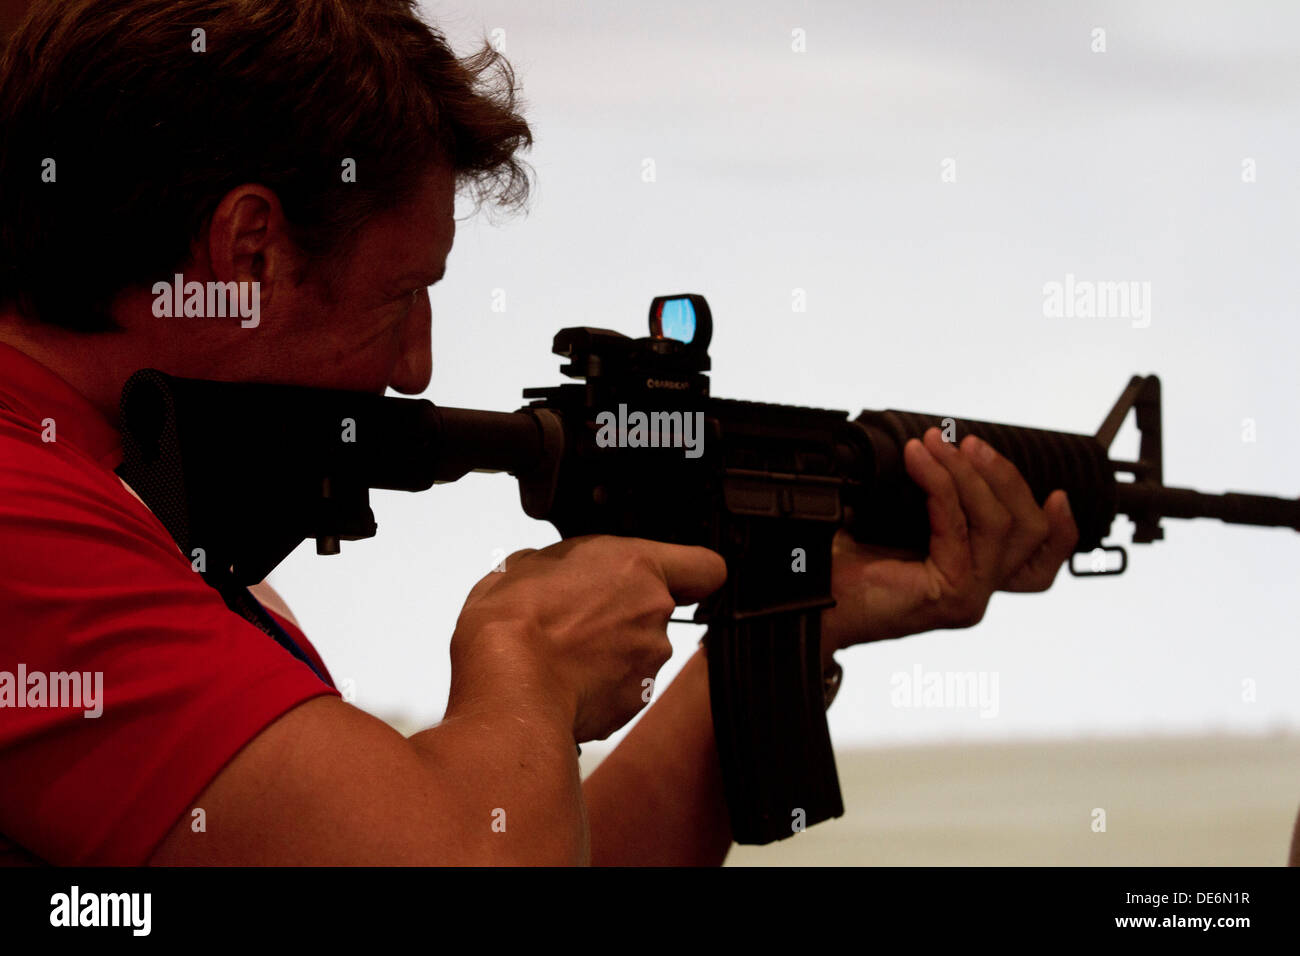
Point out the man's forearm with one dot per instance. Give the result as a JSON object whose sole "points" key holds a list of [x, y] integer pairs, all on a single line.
{"points": [[657, 799]]}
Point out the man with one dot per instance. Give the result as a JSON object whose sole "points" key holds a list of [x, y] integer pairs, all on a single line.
{"points": [[305, 154]]}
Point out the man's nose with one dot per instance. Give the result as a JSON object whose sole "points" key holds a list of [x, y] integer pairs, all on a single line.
{"points": [[414, 366]]}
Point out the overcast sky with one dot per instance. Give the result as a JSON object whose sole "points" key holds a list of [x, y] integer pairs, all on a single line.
{"points": [[824, 171]]}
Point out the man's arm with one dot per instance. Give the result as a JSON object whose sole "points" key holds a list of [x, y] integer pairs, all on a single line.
{"points": [[533, 669], [657, 800], [326, 784]]}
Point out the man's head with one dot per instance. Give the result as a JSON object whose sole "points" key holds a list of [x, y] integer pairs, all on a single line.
{"points": [[312, 146]]}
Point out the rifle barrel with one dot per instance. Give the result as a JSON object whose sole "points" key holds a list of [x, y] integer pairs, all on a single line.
{"points": [[1145, 499]]}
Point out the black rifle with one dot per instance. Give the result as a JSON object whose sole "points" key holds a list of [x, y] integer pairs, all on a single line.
{"points": [[240, 474]]}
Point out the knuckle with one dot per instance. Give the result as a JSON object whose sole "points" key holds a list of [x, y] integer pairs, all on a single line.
{"points": [[999, 468], [1041, 582], [1000, 522], [631, 562], [663, 606], [955, 518], [960, 467], [1008, 474], [946, 486], [1039, 529], [967, 612], [1031, 535]]}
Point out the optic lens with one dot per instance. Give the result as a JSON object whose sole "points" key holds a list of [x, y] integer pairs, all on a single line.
{"points": [[677, 320]]}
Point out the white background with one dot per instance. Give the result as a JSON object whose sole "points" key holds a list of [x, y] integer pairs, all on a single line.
{"points": [[778, 170]]}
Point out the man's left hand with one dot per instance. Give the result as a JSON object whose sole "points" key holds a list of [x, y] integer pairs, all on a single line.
{"points": [[987, 534]]}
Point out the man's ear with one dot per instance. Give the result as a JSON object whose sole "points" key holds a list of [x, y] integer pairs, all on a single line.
{"points": [[248, 241]]}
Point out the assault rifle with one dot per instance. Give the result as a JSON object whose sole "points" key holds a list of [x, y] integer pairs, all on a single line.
{"points": [[243, 473]]}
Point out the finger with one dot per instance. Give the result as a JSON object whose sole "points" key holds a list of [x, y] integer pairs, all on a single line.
{"points": [[1063, 536], [949, 532], [1029, 524], [990, 522], [1040, 571], [690, 573]]}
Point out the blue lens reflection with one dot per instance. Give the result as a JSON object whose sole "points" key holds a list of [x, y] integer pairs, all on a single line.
{"points": [[677, 320]]}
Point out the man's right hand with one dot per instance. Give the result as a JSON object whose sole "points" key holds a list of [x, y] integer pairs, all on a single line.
{"points": [[577, 627], [554, 648]]}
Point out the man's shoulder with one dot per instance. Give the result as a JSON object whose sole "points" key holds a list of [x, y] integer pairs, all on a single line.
{"points": [[33, 448], [53, 487]]}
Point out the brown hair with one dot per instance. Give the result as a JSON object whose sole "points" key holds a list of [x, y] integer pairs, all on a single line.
{"points": [[147, 133]]}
